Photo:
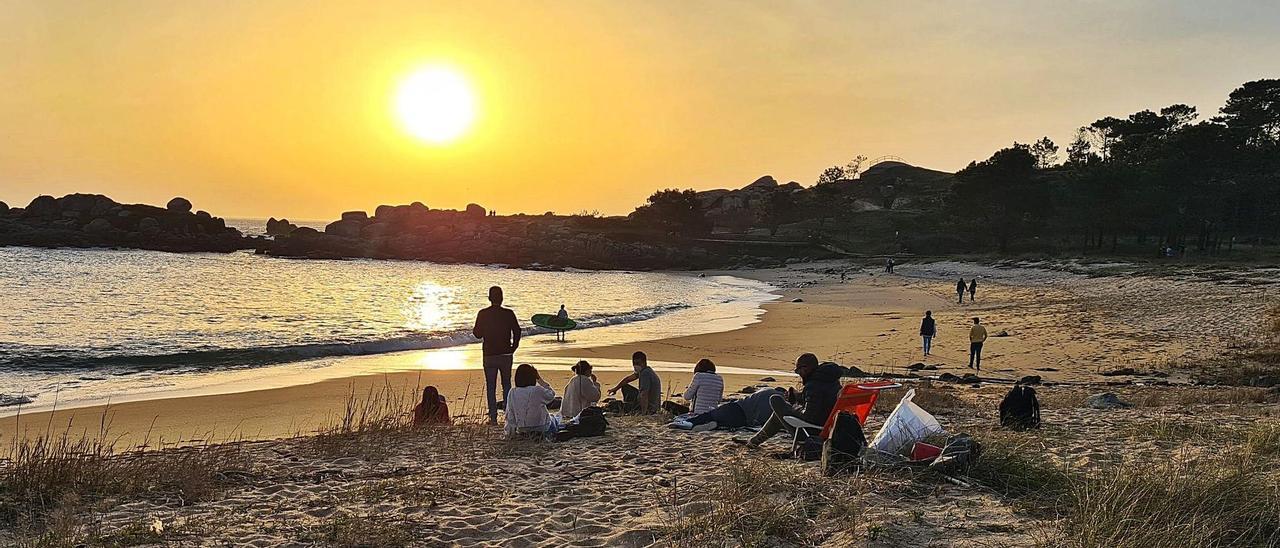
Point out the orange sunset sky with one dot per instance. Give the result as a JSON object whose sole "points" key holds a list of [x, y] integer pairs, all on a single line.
{"points": [[286, 108]]}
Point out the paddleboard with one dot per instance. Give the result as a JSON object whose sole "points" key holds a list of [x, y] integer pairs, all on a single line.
{"points": [[551, 321]]}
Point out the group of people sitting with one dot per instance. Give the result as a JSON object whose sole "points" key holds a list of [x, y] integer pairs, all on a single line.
{"points": [[527, 403]]}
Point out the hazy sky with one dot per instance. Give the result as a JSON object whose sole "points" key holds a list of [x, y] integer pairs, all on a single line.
{"points": [[285, 108]]}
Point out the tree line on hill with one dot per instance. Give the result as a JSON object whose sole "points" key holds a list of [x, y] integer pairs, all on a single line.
{"points": [[1154, 179]]}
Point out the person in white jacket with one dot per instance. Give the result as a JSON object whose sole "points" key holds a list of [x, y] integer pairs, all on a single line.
{"points": [[583, 391], [706, 389], [526, 409]]}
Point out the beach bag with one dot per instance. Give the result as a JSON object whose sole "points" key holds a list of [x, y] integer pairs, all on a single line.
{"points": [[589, 423], [809, 449], [842, 450], [907, 425], [1020, 409], [957, 455]]}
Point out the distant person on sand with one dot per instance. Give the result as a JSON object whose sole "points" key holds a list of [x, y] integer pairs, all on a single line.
{"points": [[583, 391], [977, 336], [650, 391], [973, 288], [498, 328], [815, 399], [527, 404], [753, 410], [960, 291], [888, 265], [928, 330], [433, 409], [706, 389]]}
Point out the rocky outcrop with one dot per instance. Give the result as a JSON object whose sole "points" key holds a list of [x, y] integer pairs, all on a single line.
{"points": [[280, 227], [416, 232], [94, 220]]}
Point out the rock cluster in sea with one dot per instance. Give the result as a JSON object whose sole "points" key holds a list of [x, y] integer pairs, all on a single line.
{"points": [[94, 220], [415, 231]]}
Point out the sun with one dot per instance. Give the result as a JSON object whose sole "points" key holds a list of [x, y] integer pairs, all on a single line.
{"points": [[435, 104]]}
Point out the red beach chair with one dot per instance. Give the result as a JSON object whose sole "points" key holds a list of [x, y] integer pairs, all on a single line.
{"points": [[856, 398]]}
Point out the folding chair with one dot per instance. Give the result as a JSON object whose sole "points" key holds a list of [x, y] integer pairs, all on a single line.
{"points": [[857, 398]]}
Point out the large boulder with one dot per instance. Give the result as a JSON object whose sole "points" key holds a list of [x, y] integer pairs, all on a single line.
{"points": [[376, 230], [355, 216], [148, 226], [764, 183], [204, 215], [349, 228], [43, 206], [179, 205], [280, 227], [4, 208], [98, 226], [476, 211]]}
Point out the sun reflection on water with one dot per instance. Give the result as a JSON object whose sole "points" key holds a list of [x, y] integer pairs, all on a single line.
{"points": [[430, 307]]}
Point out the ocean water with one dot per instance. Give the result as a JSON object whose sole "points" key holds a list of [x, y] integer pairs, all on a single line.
{"points": [[75, 319]]}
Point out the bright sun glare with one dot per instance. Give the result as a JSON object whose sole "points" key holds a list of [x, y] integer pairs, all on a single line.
{"points": [[435, 104]]}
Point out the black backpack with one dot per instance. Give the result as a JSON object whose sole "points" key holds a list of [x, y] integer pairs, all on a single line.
{"points": [[843, 448], [1020, 409], [589, 423]]}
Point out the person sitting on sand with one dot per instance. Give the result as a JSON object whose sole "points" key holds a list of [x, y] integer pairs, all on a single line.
{"points": [[706, 389], [433, 409], [960, 291], [928, 330], [527, 404], [751, 411], [977, 336], [816, 398], [650, 392], [583, 391]]}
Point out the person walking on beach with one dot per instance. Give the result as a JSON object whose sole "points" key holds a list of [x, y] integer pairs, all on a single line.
{"points": [[815, 399], [973, 288], [650, 399], [499, 330], [583, 391], [977, 336], [928, 329], [960, 291]]}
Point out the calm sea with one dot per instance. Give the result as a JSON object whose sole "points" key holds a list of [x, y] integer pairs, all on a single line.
{"points": [[73, 318]]}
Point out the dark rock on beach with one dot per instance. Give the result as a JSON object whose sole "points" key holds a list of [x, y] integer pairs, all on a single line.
{"points": [[1106, 400], [1120, 372], [1030, 379], [94, 220]]}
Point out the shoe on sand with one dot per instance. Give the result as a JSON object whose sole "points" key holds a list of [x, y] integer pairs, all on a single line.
{"points": [[681, 425], [705, 427]]}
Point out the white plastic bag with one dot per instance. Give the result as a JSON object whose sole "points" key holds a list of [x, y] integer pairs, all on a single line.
{"points": [[906, 425]]}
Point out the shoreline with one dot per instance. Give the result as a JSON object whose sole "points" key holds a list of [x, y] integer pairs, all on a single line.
{"points": [[1061, 326]]}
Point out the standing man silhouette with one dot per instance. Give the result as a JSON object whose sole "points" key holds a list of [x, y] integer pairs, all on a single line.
{"points": [[960, 291], [497, 326], [977, 336], [973, 288]]}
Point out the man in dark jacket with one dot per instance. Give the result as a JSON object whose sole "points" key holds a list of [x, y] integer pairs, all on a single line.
{"points": [[498, 328], [815, 399]]}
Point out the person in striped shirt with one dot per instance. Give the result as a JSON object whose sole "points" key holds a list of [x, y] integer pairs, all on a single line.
{"points": [[706, 389]]}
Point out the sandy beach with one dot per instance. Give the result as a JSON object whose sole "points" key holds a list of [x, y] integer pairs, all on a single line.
{"points": [[643, 484]]}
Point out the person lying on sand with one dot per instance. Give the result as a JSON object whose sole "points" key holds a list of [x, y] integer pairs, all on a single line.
{"points": [[650, 384], [433, 409], [583, 391], [706, 389], [816, 398], [751, 411], [527, 404]]}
